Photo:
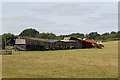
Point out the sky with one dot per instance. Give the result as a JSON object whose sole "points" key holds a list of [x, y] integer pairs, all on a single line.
{"points": [[60, 17]]}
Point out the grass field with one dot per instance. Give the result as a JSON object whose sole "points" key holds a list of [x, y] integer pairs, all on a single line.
{"points": [[76, 63]]}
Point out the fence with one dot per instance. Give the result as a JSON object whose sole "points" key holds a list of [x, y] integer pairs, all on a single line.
{"points": [[7, 51]]}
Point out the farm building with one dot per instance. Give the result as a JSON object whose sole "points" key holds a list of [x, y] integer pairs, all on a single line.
{"points": [[34, 44], [27, 44], [46, 44], [88, 43], [85, 44], [71, 42]]}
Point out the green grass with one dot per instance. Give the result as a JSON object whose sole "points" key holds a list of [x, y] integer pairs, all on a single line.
{"points": [[76, 63]]}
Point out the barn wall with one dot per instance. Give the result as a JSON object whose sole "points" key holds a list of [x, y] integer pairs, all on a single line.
{"points": [[38, 42], [31, 42], [20, 46], [34, 47], [20, 41], [76, 44]]}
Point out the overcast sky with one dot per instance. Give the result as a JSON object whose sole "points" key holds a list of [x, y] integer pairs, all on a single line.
{"points": [[60, 17]]}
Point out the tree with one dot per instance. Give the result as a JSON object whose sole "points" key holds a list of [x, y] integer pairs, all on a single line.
{"points": [[113, 32], [118, 35], [77, 35], [93, 35], [0, 41], [61, 37], [5, 37], [105, 36], [113, 35], [29, 33], [47, 35]]}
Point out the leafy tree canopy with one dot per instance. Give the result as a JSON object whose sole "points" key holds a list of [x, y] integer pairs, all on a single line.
{"points": [[93, 35], [77, 35], [7, 35], [29, 33], [47, 35]]}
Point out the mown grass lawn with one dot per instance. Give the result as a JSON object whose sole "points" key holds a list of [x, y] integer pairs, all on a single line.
{"points": [[76, 63]]}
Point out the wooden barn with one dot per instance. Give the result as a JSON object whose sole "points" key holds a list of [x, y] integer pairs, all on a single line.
{"points": [[88, 43], [34, 44], [45, 44], [28, 44], [71, 42]]}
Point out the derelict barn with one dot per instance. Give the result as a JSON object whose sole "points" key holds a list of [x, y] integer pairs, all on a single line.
{"points": [[46, 44], [34, 44]]}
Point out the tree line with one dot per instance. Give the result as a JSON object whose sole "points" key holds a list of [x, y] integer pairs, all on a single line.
{"points": [[32, 33]]}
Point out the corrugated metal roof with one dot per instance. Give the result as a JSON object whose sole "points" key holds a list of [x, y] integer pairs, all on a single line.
{"points": [[68, 40], [90, 41], [45, 40]]}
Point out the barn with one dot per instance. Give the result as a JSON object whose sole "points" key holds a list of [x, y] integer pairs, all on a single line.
{"points": [[89, 43], [34, 44], [31, 44], [27, 44], [71, 42], [86, 44]]}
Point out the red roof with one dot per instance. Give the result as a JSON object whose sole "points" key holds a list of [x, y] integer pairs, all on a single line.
{"points": [[90, 41], [93, 42]]}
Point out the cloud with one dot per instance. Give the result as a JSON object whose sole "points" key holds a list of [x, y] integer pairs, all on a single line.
{"points": [[65, 9], [75, 9], [27, 19], [60, 18], [102, 19], [31, 20]]}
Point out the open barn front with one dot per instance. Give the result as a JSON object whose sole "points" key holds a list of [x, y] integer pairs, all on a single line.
{"points": [[35, 48]]}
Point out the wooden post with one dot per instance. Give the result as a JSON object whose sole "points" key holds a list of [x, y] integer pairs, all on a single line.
{"points": [[5, 42], [5, 46], [25, 45]]}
